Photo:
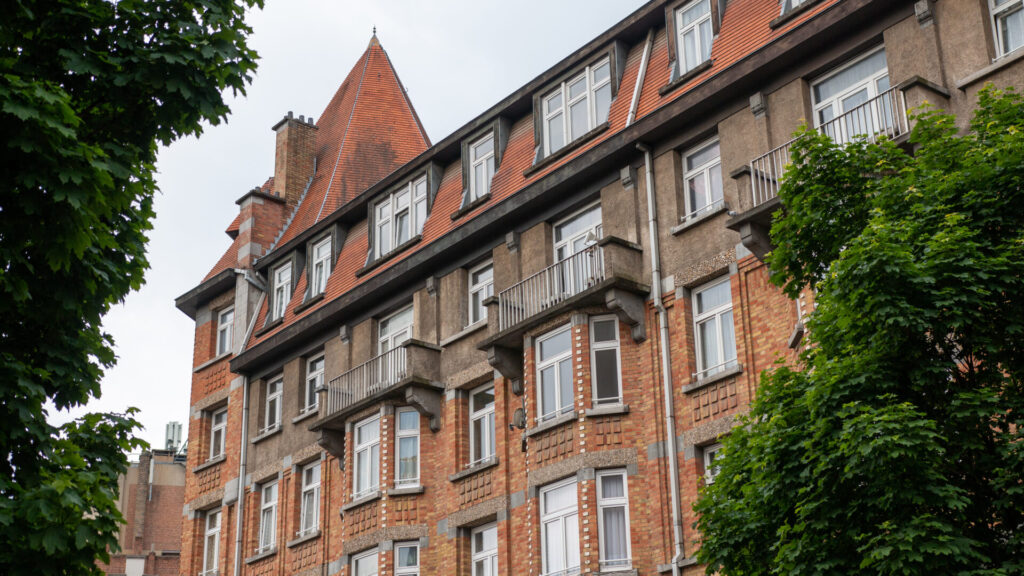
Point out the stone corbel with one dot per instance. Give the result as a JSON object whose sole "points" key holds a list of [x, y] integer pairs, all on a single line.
{"points": [[507, 361], [630, 309], [333, 441], [427, 402], [756, 238]]}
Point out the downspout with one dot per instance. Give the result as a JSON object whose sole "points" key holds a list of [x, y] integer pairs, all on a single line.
{"points": [[635, 103], [666, 363], [240, 507]]}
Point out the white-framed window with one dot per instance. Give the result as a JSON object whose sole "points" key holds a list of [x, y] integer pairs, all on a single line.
{"points": [[365, 564], [576, 106], [613, 520], [605, 360], [485, 550], [211, 544], [309, 513], [847, 88], [407, 444], [366, 472], [400, 216], [314, 379], [407, 558], [394, 329], [711, 468], [218, 431], [272, 413], [577, 232], [560, 529], [693, 26], [282, 290], [321, 269], [554, 373], [790, 5], [1008, 20], [481, 424], [225, 319], [481, 167], [713, 328], [702, 180], [268, 517], [481, 287]]}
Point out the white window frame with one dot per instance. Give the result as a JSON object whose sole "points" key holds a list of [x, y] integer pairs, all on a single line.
{"points": [[703, 171], [484, 288], [358, 558], [211, 537], [268, 517], [999, 13], [488, 440], [394, 338], [790, 5], [388, 210], [282, 290], [320, 271], [309, 508], [218, 430], [314, 379], [561, 406], [224, 330], [596, 346], [401, 433], [407, 570], [710, 455], [272, 405], [478, 189], [568, 241], [369, 447], [565, 103], [609, 502], [487, 555], [566, 517], [696, 28], [715, 315], [834, 102]]}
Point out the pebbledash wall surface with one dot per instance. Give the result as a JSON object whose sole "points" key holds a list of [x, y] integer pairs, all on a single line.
{"points": [[514, 351]]}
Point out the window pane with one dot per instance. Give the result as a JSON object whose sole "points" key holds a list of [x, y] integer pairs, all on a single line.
{"points": [[368, 432], [482, 275], [366, 566], [602, 102], [606, 374], [559, 498], [483, 147], [402, 228], [580, 223], [850, 77], [694, 13], [420, 213], [553, 103], [408, 420], [612, 486], [478, 431], [408, 557], [716, 184], [690, 50], [1012, 30], [616, 534], [572, 541], [697, 189], [547, 389], [408, 457], [713, 297], [555, 345], [601, 73], [728, 337], [483, 399], [553, 546], [705, 40], [565, 382], [702, 156], [578, 121], [384, 237], [556, 136], [577, 88], [605, 331], [708, 344]]}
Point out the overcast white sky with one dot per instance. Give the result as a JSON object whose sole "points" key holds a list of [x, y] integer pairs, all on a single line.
{"points": [[456, 59]]}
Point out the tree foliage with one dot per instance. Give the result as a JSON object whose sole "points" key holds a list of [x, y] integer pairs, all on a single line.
{"points": [[896, 446], [88, 90]]}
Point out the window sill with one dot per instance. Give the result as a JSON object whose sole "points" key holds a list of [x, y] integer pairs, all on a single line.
{"points": [[268, 327], [209, 463], [565, 150], [266, 434], [691, 222], [553, 423], [479, 325], [690, 75], [607, 410], [375, 495], [313, 411], [996, 65], [790, 15], [261, 555], [478, 467], [702, 382], [389, 256], [311, 536], [471, 206], [211, 362], [308, 303], [406, 491]]}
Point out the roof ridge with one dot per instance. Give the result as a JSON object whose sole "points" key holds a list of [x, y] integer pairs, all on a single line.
{"points": [[405, 96]]}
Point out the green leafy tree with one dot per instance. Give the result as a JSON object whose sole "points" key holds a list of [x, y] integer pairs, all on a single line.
{"points": [[897, 445], [88, 90]]}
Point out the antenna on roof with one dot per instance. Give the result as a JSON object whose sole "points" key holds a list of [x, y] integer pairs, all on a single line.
{"points": [[375, 30]]}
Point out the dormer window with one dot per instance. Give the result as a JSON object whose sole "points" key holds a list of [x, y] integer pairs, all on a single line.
{"points": [[282, 290], [693, 23], [481, 169], [790, 5], [400, 216], [321, 268], [576, 106]]}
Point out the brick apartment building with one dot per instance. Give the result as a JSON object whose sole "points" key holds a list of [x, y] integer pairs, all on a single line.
{"points": [[513, 351], [151, 494]]}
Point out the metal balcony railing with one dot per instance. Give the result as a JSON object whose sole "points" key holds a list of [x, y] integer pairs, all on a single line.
{"points": [[551, 286], [367, 379], [883, 115]]}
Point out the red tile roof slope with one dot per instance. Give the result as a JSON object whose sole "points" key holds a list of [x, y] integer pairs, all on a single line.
{"points": [[368, 130], [745, 29], [228, 260]]}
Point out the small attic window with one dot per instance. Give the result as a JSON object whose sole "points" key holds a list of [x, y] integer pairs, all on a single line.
{"points": [[282, 290], [399, 216]]}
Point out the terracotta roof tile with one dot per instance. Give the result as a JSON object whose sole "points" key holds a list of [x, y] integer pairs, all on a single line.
{"points": [[227, 260]]}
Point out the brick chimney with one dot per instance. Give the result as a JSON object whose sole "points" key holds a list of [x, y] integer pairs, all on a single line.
{"points": [[295, 155]]}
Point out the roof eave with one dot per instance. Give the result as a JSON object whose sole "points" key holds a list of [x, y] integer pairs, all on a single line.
{"points": [[190, 301]]}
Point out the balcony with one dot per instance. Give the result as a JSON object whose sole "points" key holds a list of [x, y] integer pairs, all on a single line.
{"points": [[410, 372], [608, 273]]}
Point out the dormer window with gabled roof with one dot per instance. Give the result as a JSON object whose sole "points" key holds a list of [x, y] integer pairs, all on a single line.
{"points": [[320, 268], [281, 290], [399, 216]]}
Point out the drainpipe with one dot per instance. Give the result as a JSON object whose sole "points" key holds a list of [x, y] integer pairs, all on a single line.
{"points": [[640, 78], [240, 507], [666, 363]]}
